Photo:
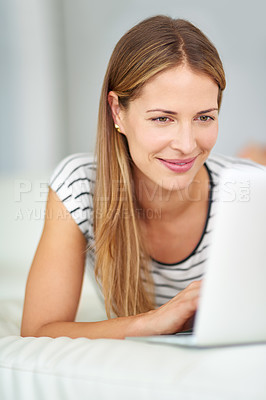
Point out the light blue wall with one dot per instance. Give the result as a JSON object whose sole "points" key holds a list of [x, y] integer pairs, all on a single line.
{"points": [[32, 85], [78, 37]]}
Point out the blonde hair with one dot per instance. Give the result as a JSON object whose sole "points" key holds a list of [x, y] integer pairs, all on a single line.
{"points": [[122, 263]]}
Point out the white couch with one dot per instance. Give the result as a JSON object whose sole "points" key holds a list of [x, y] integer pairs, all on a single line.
{"points": [[64, 368]]}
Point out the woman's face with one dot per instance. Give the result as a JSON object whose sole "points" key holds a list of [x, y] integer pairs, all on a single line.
{"points": [[171, 127]]}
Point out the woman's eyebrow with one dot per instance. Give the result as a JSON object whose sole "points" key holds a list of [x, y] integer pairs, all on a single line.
{"points": [[207, 111], [164, 111], [175, 113]]}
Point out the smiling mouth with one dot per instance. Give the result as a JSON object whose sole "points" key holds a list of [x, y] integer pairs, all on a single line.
{"points": [[178, 165], [178, 162]]}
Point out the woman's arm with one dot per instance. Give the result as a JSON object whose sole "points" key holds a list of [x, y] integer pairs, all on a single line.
{"points": [[55, 278], [54, 286]]}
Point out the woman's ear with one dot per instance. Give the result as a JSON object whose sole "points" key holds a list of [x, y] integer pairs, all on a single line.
{"points": [[116, 110]]}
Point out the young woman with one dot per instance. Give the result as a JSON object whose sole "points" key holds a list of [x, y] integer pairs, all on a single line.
{"points": [[142, 210]]}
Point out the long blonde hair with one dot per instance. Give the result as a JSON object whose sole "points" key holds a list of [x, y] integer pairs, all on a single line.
{"points": [[122, 263]]}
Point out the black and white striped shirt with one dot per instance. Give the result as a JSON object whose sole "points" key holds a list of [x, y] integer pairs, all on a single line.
{"points": [[73, 180]]}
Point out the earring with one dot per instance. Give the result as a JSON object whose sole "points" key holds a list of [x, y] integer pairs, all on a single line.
{"points": [[117, 128]]}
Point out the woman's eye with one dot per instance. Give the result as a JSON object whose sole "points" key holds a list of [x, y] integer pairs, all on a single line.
{"points": [[205, 118], [161, 119]]}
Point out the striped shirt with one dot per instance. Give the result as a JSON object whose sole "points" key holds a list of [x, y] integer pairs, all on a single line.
{"points": [[74, 179]]}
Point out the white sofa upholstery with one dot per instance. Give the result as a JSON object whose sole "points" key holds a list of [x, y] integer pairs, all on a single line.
{"points": [[64, 368]]}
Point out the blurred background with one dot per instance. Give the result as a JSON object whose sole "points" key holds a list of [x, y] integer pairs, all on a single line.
{"points": [[53, 56]]}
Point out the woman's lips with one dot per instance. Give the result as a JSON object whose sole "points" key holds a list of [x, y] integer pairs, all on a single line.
{"points": [[178, 165]]}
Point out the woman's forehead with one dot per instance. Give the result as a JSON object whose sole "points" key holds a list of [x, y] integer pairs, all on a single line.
{"points": [[178, 86]]}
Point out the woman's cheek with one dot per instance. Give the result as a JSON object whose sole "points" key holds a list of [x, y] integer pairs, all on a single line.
{"points": [[155, 140], [209, 140]]}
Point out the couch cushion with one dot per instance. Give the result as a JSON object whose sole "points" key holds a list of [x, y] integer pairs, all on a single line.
{"points": [[65, 368]]}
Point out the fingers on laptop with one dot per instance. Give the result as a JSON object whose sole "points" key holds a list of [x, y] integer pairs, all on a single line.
{"points": [[177, 313]]}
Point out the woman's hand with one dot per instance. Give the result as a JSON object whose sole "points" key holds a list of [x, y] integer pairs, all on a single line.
{"points": [[178, 313]]}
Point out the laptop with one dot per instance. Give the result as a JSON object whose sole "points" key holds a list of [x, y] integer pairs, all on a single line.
{"points": [[232, 305]]}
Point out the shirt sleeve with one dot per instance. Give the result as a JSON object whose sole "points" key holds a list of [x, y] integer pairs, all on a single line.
{"points": [[73, 181]]}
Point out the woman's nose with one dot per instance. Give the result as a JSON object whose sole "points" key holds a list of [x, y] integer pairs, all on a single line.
{"points": [[184, 138]]}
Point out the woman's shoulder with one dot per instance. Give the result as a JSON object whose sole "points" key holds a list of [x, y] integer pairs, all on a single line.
{"points": [[72, 167], [217, 163], [73, 181]]}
